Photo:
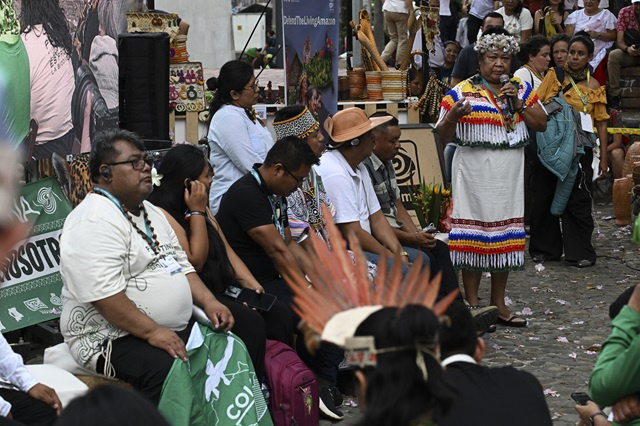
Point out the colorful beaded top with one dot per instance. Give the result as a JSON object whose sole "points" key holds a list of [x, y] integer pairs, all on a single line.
{"points": [[489, 124]]}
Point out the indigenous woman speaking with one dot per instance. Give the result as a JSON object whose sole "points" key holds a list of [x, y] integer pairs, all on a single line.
{"points": [[487, 117]]}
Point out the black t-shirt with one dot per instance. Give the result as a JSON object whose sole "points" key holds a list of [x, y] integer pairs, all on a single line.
{"points": [[246, 206], [467, 63]]}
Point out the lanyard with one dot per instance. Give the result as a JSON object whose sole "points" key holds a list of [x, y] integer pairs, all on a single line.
{"points": [[586, 93], [508, 119], [275, 207], [115, 201]]}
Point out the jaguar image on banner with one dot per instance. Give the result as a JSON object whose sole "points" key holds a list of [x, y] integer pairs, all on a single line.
{"points": [[30, 282]]}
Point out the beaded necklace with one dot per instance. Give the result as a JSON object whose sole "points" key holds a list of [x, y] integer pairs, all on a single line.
{"points": [[149, 236]]}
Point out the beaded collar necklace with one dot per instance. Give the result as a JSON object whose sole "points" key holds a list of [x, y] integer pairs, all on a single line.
{"points": [[149, 236]]}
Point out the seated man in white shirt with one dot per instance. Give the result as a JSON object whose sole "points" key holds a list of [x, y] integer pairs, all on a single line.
{"points": [[128, 289], [349, 186], [28, 402]]}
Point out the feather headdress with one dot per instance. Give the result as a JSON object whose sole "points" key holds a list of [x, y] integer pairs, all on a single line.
{"points": [[341, 295]]}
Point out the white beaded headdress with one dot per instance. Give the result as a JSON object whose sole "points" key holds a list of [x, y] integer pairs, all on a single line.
{"points": [[497, 43]]}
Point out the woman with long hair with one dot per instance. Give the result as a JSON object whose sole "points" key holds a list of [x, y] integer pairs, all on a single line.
{"points": [[489, 121], [46, 36], [549, 20], [237, 137], [405, 386], [517, 19], [559, 45], [584, 93], [182, 195], [535, 55], [600, 25]]}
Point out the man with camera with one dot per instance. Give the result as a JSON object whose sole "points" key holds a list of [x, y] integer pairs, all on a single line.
{"points": [[628, 52]]}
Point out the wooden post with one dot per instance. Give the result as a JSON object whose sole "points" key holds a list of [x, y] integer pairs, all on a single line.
{"points": [[370, 109], [192, 127], [413, 114], [172, 123], [392, 109]]}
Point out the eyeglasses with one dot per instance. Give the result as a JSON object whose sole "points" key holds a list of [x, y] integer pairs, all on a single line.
{"points": [[255, 86], [298, 179], [137, 164]]}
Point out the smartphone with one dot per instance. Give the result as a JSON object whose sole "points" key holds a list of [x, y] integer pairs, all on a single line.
{"points": [[430, 229], [580, 398], [259, 301], [187, 185], [552, 107]]}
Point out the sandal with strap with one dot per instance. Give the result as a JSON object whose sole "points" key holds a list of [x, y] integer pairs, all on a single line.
{"points": [[512, 321]]}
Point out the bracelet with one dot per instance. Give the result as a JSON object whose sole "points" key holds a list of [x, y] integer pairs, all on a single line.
{"points": [[522, 108], [198, 212], [594, 415]]}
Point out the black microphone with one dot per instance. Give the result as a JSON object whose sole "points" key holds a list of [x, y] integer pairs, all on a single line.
{"points": [[504, 79]]}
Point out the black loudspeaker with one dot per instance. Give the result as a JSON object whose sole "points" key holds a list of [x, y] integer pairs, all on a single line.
{"points": [[144, 84]]}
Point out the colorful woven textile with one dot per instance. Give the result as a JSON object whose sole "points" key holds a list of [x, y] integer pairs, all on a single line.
{"points": [[489, 119], [488, 179]]}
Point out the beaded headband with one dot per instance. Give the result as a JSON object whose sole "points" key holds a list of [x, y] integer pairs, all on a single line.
{"points": [[361, 352], [497, 43], [302, 125]]}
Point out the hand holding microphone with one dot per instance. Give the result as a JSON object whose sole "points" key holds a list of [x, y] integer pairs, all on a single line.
{"points": [[509, 91]]}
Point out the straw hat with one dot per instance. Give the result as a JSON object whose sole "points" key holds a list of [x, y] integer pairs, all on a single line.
{"points": [[350, 123]]}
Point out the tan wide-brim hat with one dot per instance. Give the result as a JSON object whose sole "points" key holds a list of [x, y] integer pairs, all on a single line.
{"points": [[350, 123]]}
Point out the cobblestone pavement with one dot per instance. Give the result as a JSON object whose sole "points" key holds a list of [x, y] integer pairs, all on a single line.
{"points": [[567, 309]]}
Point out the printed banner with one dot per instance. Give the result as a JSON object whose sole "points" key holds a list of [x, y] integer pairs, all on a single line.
{"points": [[218, 386], [311, 59], [30, 281]]}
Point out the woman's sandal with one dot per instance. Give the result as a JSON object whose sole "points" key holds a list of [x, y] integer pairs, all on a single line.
{"points": [[512, 321]]}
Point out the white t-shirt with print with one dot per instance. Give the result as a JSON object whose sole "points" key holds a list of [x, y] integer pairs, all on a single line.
{"points": [[350, 191], [525, 74], [600, 22], [514, 25], [101, 255]]}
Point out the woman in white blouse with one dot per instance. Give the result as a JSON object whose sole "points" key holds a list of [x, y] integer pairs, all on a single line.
{"points": [[517, 19], [237, 137], [535, 54], [600, 24]]}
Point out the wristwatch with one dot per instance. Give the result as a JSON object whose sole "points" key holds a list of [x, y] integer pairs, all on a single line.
{"points": [[594, 415]]}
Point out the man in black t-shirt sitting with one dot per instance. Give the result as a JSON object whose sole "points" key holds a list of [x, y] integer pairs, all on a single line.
{"points": [[253, 217]]}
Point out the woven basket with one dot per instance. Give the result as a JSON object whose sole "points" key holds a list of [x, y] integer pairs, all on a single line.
{"points": [[374, 85], [152, 22], [356, 84], [622, 200], [178, 50], [635, 173], [394, 85], [632, 156]]}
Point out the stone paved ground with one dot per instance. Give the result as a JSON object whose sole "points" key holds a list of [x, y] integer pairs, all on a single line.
{"points": [[567, 309]]}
